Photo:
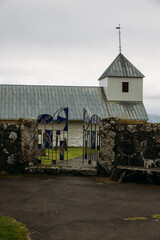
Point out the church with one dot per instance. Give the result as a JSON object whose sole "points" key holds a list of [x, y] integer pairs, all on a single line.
{"points": [[119, 94]]}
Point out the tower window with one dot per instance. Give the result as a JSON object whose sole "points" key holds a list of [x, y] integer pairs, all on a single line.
{"points": [[125, 86]]}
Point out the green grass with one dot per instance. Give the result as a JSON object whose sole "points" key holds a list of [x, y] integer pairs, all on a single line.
{"points": [[12, 230], [72, 153]]}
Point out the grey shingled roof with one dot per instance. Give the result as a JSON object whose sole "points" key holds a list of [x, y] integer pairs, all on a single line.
{"points": [[121, 67], [24, 101], [127, 110]]}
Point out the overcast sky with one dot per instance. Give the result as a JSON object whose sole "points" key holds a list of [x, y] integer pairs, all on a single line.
{"points": [[72, 42]]}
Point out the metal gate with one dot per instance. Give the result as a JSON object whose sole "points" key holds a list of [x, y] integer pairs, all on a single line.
{"points": [[53, 137], [91, 137]]}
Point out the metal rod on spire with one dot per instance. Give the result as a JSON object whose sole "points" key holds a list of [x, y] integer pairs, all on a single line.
{"points": [[119, 28]]}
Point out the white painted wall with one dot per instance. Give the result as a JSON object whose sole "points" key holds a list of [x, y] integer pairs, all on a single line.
{"points": [[75, 132], [103, 82], [113, 89]]}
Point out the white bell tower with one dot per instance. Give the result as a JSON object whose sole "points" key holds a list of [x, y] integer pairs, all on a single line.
{"points": [[122, 81]]}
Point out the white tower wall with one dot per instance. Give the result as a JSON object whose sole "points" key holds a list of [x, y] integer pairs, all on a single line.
{"points": [[113, 88]]}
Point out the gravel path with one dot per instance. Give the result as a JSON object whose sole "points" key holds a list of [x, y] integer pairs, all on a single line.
{"points": [[77, 163]]}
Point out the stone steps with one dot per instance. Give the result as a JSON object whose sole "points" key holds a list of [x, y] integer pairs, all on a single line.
{"points": [[64, 170], [74, 166]]}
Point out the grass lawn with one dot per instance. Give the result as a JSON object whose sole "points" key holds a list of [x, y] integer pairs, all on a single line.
{"points": [[55, 155], [12, 230], [73, 152]]}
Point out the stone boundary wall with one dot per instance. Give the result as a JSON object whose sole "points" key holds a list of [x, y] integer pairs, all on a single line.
{"points": [[18, 145], [129, 143]]}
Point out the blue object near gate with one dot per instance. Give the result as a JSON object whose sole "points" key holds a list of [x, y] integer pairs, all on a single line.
{"points": [[39, 146], [39, 161], [61, 150], [93, 140], [48, 138]]}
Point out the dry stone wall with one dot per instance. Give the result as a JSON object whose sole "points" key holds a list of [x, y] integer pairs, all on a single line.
{"points": [[133, 144], [18, 145], [29, 141], [9, 147]]}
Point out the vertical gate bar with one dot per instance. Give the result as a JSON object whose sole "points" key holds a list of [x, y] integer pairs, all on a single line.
{"points": [[90, 160], [63, 149], [45, 140], [99, 140], [67, 146], [97, 144], [52, 140], [57, 145], [54, 133], [83, 138], [83, 148], [38, 142], [95, 154], [41, 144]]}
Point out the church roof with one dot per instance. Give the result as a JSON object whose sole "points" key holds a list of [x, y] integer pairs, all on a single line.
{"points": [[127, 110], [121, 67], [25, 101]]}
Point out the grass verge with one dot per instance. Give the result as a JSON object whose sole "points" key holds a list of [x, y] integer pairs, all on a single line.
{"points": [[10, 229]]}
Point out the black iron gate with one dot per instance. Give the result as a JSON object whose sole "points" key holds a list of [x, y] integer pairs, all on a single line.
{"points": [[91, 136], [53, 137]]}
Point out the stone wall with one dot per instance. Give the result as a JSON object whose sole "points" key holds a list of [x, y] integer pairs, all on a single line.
{"points": [[9, 147], [29, 141], [129, 143], [18, 145]]}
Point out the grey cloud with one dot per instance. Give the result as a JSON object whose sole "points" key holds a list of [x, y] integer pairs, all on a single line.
{"points": [[66, 22]]}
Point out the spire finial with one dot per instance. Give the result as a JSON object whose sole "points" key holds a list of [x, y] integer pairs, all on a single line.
{"points": [[119, 28]]}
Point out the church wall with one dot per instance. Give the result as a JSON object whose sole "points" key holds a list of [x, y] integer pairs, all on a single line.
{"points": [[104, 83], [114, 89], [75, 132]]}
